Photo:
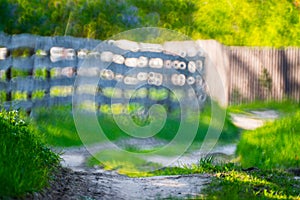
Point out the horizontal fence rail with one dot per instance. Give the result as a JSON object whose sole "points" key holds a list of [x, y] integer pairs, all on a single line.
{"points": [[42, 71]]}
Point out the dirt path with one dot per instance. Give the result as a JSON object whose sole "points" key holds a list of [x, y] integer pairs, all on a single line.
{"points": [[76, 181], [253, 119], [109, 185], [75, 158]]}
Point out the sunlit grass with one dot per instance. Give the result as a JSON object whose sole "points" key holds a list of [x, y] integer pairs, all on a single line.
{"points": [[262, 184], [284, 107], [58, 127], [19, 95], [275, 145], [26, 164], [132, 165], [230, 180]]}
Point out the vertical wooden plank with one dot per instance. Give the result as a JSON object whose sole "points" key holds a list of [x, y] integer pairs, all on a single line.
{"points": [[246, 70], [272, 76], [8, 75], [296, 71], [256, 78], [238, 77]]}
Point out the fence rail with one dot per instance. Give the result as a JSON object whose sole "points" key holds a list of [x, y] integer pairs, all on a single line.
{"points": [[41, 71]]}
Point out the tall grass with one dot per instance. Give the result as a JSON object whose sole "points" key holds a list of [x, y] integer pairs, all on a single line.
{"points": [[275, 145], [26, 165]]}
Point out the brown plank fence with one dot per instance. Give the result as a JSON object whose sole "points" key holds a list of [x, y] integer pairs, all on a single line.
{"points": [[263, 74]]}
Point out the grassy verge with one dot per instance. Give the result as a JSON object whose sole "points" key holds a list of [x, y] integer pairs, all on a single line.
{"points": [[266, 154], [284, 107], [231, 181], [133, 166], [26, 164], [58, 127], [272, 149], [261, 184], [275, 145]]}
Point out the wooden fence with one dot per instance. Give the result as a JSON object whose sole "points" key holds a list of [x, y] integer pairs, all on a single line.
{"points": [[263, 74], [41, 71]]}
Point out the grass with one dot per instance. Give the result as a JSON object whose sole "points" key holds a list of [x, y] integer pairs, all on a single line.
{"points": [[270, 149], [262, 184], [26, 164], [275, 145], [132, 166], [22, 52], [284, 107], [265, 155], [58, 127], [231, 181]]}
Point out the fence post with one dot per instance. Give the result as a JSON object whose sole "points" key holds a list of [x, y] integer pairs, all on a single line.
{"points": [[8, 79]]}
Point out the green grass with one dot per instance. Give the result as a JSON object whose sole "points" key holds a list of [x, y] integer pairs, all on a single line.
{"points": [[275, 145], [58, 127], [284, 107], [40, 73], [262, 184], [229, 132], [2, 96], [22, 52], [19, 95], [26, 164], [19, 73], [272, 149], [132, 166], [231, 181], [38, 94]]}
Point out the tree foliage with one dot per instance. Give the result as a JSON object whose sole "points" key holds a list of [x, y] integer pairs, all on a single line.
{"points": [[232, 22]]}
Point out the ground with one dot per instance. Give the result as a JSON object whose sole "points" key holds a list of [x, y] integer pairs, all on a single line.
{"points": [[77, 181], [69, 184]]}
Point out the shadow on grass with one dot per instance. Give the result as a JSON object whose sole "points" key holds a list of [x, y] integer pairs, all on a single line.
{"points": [[58, 127]]}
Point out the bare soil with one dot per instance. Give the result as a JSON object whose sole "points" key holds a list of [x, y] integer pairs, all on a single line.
{"points": [[72, 185]]}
